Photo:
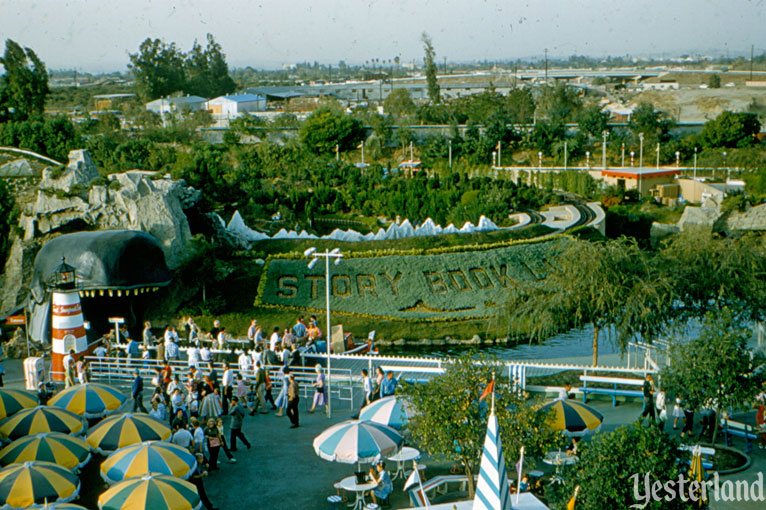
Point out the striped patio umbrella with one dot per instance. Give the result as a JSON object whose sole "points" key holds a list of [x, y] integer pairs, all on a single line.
{"points": [[13, 401], [573, 418], [151, 492], [492, 489], [153, 457], [31, 484], [357, 441], [392, 411], [91, 400], [56, 447], [40, 419], [126, 429]]}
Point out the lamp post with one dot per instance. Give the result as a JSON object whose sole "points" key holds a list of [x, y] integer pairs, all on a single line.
{"points": [[499, 153], [695, 163], [604, 134], [327, 255], [622, 155], [450, 152], [658, 155], [641, 150], [565, 156]]}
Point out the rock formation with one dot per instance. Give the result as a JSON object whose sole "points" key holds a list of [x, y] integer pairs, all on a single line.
{"points": [[77, 198]]}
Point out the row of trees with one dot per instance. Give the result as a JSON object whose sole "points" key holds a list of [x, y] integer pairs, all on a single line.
{"points": [[161, 69], [616, 286]]}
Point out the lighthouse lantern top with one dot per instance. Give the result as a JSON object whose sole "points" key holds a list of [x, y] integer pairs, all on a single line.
{"points": [[64, 277]]}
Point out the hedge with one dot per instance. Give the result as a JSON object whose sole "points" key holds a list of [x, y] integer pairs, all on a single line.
{"points": [[447, 285]]}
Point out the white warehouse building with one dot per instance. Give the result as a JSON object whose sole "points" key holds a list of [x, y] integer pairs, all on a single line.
{"points": [[229, 107]]}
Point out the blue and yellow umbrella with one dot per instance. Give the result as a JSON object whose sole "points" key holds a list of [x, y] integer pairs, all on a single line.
{"points": [[62, 449], [91, 400], [155, 492], [572, 417], [154, 457], [40, 419], [13, 401], [31, 484], [126, 429]]}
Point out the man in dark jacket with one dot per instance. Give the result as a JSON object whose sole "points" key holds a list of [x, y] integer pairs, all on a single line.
{"points": [[237, 415], [138, 389], [293, 398], [196, 479]]}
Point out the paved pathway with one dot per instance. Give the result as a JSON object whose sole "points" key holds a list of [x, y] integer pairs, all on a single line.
{"points": [[281, 470]]}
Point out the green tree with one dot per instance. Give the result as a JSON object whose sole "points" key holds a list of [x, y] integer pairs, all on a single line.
{"points": [[23, 85], [714, 82], [51, 136], [717, 366], [612, 464], [326, 128], [593, 121], [158, 69], [731, 130], [711, 274], [399, 103], [654, 124], [545, 134], [600, 284], [430, 66], [520, 106], [450, 422], [561, 103], [206, 71]]}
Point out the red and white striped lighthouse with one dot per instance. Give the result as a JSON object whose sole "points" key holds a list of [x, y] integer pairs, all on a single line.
{"points": [[67, 325]]}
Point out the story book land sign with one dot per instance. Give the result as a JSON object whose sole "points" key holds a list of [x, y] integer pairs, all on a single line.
{"points": [[450, 285]]}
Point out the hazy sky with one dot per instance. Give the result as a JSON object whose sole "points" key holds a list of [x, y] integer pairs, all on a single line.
{"points": [[98, 35]]}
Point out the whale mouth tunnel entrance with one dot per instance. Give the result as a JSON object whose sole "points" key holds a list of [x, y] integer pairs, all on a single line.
{"points": [[119, 273], [98, 306]]}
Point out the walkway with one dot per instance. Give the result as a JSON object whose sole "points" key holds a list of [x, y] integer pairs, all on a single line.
{"points": [[282, 472]]}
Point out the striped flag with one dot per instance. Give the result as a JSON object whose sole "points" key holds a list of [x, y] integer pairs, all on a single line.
{"points": [[492, 490]]}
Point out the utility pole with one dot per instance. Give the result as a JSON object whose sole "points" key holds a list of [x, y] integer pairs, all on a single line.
{"points": [[546, 65], [751, 62], [450, 153], [605, 133]]}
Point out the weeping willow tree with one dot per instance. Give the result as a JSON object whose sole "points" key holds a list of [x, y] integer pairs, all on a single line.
{"points": [[602, 284]]}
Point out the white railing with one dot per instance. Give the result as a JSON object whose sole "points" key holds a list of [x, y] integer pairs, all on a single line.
{"points": [[119, 372]]}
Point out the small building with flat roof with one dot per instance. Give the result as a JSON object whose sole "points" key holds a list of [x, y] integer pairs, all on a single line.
{"points": [[180, 104], [643, 179], [103, 102]]}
